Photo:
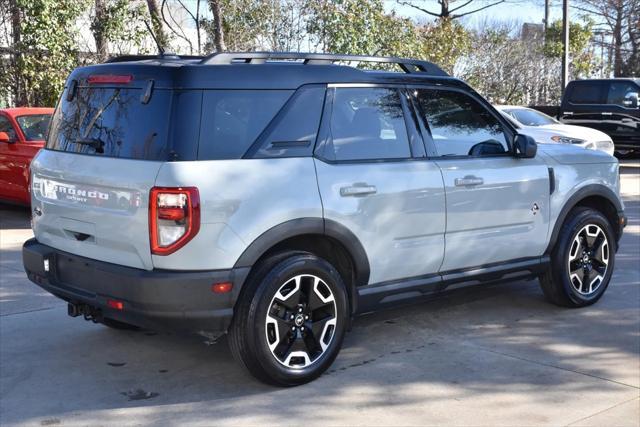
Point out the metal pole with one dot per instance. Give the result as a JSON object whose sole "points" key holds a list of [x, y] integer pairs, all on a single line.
{"points": [[565, 44], [546, 16]]}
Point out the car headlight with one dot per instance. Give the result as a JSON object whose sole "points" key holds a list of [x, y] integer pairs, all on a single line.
{"points": [[567, 140]]}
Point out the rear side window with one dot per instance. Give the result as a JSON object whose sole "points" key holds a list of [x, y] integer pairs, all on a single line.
{"points": [[586, 93], [621, 91], [233, 119], [293, 132], [113, 122], [367, 124]]}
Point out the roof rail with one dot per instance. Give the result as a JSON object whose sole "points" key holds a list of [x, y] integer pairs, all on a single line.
{"points": [[407, 65], [128, 58]]}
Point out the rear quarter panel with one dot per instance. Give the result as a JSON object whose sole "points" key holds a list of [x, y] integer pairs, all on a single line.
{"points": [[239, 200]]}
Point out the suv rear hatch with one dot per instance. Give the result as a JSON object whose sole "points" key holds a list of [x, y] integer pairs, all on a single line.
{"points": [[109, 137]]}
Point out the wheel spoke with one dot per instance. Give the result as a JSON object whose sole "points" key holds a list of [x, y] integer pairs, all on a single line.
{"points": [[597, 243], [278, 332], [575, 267]]}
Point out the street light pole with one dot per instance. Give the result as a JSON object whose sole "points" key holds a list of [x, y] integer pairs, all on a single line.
{"points": [[546, 16], [565, 44]]}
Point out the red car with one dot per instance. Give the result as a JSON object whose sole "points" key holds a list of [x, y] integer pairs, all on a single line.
{"points": [[22, 135]]}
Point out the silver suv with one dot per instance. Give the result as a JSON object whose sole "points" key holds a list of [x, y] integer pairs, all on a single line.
{"points": [[274, 196]]}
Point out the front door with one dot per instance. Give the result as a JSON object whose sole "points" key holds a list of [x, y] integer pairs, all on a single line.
{"points": [[497, 205], [375, 180]]}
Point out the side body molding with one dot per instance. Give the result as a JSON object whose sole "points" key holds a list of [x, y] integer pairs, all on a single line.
{"points": [[309, 226], [586, 191]]}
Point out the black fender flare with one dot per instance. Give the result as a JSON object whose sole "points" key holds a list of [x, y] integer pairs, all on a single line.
{"points": [[307, 226], [590, 190]]}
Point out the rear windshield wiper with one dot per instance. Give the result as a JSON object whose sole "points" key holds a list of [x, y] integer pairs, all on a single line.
{"points": [[95, 143]]}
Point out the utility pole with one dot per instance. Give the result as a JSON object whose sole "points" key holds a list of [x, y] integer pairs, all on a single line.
{"points": [[546, 16], [565, 44]]}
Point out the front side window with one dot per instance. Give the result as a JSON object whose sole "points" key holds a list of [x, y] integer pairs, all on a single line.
{"points": [[368, 124], [461, 126], [34, 126], [7, 127], [619, 92]]}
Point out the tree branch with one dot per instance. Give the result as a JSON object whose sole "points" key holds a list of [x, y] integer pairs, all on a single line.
{"points": [[477, 10], [460, 7], [406, 3]]}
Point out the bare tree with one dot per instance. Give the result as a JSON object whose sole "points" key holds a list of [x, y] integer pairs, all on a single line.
{"points": [[618, 17], [156, 22], [218, 31], [450, 9], [19, 94], [171, 21], [98, 30]]}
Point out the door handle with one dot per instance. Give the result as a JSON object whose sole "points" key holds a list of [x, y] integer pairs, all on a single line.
{"points": [[358, 189], [469, 181]]}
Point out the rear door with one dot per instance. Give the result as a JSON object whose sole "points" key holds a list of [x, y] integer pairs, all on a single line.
{"points": [[583, 104], [497, 205], [375, 180], [91, 184]]}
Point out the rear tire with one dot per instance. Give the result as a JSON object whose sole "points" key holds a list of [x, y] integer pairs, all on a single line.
{"points": [[290, 320], [582, 260]]}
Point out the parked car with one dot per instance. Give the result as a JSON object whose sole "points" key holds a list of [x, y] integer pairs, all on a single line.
{"points": [[273, 196], [609, 105], [22, 135], [547, 130]]}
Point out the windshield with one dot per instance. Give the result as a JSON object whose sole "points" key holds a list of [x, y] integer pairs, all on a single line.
{"points": [[112, 122], [528, 117], [34, 126]]}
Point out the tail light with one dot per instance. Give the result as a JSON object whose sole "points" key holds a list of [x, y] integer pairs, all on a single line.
{"points": [[174, 218]]}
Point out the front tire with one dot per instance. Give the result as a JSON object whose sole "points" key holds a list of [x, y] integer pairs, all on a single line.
{"points": [[290, 320], [582, 260]]}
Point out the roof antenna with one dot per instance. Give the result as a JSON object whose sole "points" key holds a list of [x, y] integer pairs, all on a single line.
{"points": [[160, 48]]}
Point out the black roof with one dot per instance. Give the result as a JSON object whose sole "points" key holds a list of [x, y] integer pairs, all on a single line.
{"points": [[261, 70]]}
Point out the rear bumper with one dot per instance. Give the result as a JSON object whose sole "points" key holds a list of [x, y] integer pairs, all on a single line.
{"points": [[157, 299]]}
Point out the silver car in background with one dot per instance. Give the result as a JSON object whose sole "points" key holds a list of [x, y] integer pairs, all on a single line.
{"points": [[547, 130]]}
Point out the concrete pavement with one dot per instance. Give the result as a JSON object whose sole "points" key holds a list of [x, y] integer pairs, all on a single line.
{"points": [[492, 355]]}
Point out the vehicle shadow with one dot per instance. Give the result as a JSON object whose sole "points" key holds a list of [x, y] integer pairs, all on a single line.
{"points": [[472, 342], [467, 345], [14, 217]]}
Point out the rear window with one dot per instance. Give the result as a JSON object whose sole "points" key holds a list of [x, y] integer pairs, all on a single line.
{"points": [[34, 126], [586, 93], [113, 122]]}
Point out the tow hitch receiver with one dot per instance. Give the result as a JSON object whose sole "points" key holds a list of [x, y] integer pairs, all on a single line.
{"points": [[88, 312]]}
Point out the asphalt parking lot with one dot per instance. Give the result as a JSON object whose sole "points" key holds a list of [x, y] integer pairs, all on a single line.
{"points": [[492, 355]]}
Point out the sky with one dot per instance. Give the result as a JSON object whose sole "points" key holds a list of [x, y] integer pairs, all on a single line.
{"points": [[512, 10]]}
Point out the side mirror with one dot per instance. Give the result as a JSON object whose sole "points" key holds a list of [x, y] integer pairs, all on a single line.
{"points": [[631, 100], [525, 146], [4, 137]]}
